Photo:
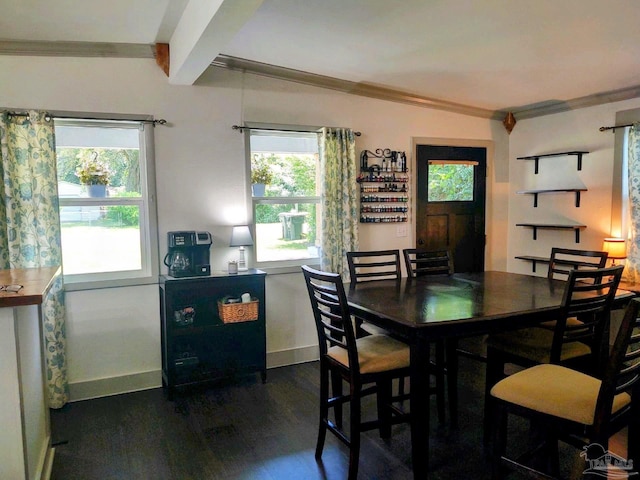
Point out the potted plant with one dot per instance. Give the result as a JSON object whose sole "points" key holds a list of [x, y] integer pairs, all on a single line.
{"points": [[94, 174], [261, 175]]}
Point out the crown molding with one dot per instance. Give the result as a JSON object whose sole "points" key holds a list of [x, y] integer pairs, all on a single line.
{"points": [[77, 49], [345, 86], [138, 50], [551, 107]]}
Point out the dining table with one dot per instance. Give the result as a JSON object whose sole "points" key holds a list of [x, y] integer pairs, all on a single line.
{"points": [[424, 309]]}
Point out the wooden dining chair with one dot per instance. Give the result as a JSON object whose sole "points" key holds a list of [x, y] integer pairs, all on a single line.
{"points": [[372, 265], [374, 359], [427, 262], [421, 263], [588, 295], [579, 409], [563, 260]]}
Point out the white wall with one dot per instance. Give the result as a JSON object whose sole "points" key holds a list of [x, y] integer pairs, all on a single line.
{"points": [[113, 334], [575, 130]]}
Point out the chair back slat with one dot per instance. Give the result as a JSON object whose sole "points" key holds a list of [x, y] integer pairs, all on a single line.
{"points": [[588, 296], [563, 260], [622, 372], [427, 262], [331, 314], [374, 265]]}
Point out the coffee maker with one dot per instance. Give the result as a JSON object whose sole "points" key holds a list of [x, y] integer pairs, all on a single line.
{"points": [[188, 253]]}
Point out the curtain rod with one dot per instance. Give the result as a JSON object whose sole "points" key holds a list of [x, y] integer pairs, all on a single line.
{"points": [[48, 116], [241, 128], [604, 129]]}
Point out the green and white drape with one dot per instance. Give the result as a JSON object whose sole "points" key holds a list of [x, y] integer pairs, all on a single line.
{"points": [[632, 264], [30, 225], [339, 197]]}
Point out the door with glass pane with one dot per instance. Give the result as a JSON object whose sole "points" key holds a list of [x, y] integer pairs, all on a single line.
{"points": [[450, 210]]}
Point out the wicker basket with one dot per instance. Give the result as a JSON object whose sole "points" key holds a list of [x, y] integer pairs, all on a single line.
{"points": [[238, 312]]}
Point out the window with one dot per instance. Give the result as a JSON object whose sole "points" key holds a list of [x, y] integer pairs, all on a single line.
{"points": [[106, 219], [285, 193], [451, 181]]}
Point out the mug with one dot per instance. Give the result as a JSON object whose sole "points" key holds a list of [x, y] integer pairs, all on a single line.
{"points": [[233, 267]]}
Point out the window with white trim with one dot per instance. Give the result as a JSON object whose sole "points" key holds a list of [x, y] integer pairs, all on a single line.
{"points": [[287, 213], [105, 184]]}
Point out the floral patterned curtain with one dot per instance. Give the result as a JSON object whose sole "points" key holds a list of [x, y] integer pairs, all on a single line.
{"points": [[632, 264], [339, 197], [30, 225]]}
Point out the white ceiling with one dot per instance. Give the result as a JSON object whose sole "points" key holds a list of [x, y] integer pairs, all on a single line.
{"points": [[496, 55]]}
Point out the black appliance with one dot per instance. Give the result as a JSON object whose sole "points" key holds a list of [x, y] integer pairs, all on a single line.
{"points": [[188, 254]]}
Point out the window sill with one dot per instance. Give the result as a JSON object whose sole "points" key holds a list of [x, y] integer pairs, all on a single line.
{"points": [[315, 263], [100, 284]]}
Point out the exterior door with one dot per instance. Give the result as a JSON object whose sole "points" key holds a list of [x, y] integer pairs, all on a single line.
{"points": [[450, 214]]}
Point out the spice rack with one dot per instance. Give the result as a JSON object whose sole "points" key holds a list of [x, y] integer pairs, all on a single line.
{"points": [[384, 186]]}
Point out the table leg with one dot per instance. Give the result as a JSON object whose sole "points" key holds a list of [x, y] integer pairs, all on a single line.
{"points": [[419, 404]]}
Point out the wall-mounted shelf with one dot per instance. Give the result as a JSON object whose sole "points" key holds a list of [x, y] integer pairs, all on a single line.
{"points": [[535, 193], [553, 226], [545, 260], [384, 187], [536, 158]]}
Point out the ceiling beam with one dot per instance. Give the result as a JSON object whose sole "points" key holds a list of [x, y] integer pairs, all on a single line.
{"points": [[203, 31]]}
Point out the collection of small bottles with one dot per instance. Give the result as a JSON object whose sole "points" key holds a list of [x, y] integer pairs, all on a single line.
{"points": [[390, 163], [383, 209], [371, 177], [388, 187], [385, 219], [376, 199]]}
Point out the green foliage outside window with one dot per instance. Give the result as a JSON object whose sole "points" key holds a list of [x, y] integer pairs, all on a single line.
{"points": [[128, 215], [293, 176], [123, 165], [450, 183]]}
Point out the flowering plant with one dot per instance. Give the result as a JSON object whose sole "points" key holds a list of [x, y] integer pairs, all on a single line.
{"points": [[260, 171], [93, 172]]}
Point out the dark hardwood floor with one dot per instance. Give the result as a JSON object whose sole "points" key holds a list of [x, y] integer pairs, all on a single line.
{"points": [[250, 430]]}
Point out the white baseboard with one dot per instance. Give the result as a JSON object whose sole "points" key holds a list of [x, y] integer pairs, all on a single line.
{"points": [[104, 387], [292, 356]]}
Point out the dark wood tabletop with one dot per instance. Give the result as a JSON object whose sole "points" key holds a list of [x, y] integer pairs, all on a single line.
{"points": [[427, 308]]}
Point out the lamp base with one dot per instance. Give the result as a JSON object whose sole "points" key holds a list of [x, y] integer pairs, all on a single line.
{"points": [[242, 264]]}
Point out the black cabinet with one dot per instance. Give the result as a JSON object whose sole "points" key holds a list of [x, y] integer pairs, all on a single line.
{"points": [[197, 344]]}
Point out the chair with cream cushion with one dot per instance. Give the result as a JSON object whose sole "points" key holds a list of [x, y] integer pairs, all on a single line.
{"points": [[374, 359], [588, 295], [577, 408]]}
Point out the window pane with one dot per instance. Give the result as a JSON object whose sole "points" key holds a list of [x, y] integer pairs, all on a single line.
{"points": [[100, 238], [117, 170], [450, 182], [288, 163], [286, 231]]}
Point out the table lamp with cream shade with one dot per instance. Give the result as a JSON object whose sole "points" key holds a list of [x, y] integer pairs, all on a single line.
{"points": [[616, 248], [241, 237]]}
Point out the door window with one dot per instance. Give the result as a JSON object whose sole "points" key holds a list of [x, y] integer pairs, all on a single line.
{"points": [[450, 181]]}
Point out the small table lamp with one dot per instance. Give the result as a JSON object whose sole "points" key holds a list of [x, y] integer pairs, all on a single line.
{"points": [[616, 249], [241, 237]]}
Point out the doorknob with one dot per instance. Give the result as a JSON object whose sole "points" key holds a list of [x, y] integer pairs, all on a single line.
{"points": [[420, 241]]}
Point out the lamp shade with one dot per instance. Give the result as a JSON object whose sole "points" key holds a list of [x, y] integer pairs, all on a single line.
{"points": [[615, 247], [241, 236]]}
